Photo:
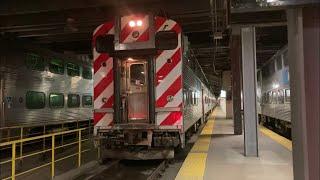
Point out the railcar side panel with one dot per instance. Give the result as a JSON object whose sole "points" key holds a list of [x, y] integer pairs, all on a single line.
{"points": [[18, 80], [193, 101]]}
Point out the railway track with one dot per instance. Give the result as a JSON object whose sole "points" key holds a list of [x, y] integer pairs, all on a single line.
{"points": [[157, 172], [128, 169]]}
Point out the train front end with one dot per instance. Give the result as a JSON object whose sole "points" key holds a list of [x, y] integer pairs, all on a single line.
{"points": [[138, 87]]}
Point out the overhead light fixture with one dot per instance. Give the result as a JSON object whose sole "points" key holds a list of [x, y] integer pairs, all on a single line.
{"points": [[271, 1], [130, 59]]}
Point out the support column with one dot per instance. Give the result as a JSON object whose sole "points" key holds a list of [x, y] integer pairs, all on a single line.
{"points": [[303, 54], [236, 82], [248, 42]]}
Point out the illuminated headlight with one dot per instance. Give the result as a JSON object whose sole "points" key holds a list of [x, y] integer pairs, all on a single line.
{"points": [[139, 23], [132, 23]]}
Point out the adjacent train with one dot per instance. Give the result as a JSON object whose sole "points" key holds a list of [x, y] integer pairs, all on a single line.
{"points": [[40, 87], [274, 93], [146, 96]]}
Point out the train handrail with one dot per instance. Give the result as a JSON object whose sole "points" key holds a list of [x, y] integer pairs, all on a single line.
{"points": [[14, 143], [21, 128]]}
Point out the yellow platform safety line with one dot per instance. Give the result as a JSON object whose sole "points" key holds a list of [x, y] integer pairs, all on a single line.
{"points": [[194, 165], [276, 137]]}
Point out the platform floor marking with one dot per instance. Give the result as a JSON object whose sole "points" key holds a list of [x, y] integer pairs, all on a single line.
{"points": [[194, 165], [276, 137]]}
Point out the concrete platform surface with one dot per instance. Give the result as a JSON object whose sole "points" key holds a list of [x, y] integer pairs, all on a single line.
{"points": [[224, 158]]}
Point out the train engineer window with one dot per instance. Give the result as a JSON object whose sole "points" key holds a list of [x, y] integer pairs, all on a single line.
{"points": [[35, 100], [73, 100], [56, 100], [87, 72], [137, 74], [73, 69], [56, 66], [34, 62], [86, 101]]}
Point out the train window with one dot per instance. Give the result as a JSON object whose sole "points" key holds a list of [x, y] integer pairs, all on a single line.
{"points": [[56, 100], [73, 69], [269, 97], [56, 66], [86, 101], [279, 63], [34, 62], [280, 96], [87, 72], [166, 40], [287, 95], [190, 101], [274, 97], [185, 96], [195, 98], [73, 100], [35, 100], [137, 74], [104, 43]]}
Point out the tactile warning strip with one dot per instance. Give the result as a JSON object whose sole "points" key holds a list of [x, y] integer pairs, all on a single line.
{"points": [[194, 165], [276, 137]]}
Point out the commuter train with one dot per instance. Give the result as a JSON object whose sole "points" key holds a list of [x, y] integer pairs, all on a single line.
{"points": [[146, 97], [41, 87], [274, 93]]}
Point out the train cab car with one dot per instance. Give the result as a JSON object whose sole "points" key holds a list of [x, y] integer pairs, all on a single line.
{"points": [[145, 96]]}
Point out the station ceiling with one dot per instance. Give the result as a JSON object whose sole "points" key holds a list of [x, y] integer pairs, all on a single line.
{"points": [[68, 25]]}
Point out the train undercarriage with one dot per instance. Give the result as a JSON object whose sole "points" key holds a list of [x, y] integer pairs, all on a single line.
{"points": [[279, 126]]}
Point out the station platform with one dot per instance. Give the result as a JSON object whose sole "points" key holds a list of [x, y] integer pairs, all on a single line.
{"points": [[218, 154]]}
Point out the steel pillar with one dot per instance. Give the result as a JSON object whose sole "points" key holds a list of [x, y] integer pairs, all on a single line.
{"points": [[236, 83], [248, 42], [303, 51]]}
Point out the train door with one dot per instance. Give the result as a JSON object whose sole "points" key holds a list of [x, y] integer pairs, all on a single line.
{"points": [[134, 96]]}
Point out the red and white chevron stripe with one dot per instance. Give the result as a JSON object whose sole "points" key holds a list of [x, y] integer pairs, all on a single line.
{"points": [[169, 77], [103, 79], [126, 35], [168, 73]]}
